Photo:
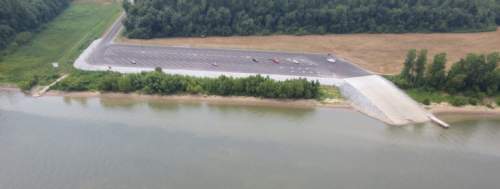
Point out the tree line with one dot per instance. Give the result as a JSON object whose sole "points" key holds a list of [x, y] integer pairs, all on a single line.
{"points": [[167, 18], [163, 84], [18, 18], [497, 10], [476, 75]]}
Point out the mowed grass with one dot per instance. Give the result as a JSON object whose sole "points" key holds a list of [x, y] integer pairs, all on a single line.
{"points": [[380, 53], [61, 40]]}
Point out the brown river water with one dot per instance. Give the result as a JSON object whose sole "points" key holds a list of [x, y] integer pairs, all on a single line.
{"points": [[108, 143]]}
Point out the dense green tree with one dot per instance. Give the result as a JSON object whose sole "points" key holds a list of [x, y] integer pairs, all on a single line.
{"points": [[407, 72], [161, 18], [475, 74], [109, 83], [413, 72], [26, 16], [436, 76], [125, 84], [497, 11], [162, 84], [420, 67]]}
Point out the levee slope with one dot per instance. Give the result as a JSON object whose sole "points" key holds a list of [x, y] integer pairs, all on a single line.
{"points": [[381, 99]]}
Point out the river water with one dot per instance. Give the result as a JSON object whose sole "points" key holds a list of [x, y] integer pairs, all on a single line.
{"points": [[123, 143]]}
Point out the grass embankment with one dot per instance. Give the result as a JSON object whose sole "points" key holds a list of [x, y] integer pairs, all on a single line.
{"points": [[61, 41], [381, 53]]}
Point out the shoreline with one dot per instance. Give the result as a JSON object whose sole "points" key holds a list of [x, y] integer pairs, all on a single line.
{"points": [[437, 109], [446, 109], [217, 100]]}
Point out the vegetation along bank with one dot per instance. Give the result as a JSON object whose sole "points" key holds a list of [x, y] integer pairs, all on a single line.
{"points": [[163, 84], [473, 80]]}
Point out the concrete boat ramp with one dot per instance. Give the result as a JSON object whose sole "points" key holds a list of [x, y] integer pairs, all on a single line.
{"points": [[379, 98]]}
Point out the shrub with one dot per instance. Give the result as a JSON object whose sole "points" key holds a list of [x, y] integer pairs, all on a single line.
{"points": [[498, 101], [160, 83], [473, 101], [158, 69], [125, 84], [426, 102], [23, 38], [109, 84], [490, 106], [194, 88], [458, 101], [79, 81], [28, 83], [399, 81], [73, 84]]}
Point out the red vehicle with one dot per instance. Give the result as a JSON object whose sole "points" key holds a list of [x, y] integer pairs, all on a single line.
{"points": [[275, 60]]}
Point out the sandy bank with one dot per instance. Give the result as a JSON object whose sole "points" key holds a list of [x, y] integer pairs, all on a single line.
{"points": [[8, 86], [11, 88], [230, 100], [446, 109], [439, 109]]}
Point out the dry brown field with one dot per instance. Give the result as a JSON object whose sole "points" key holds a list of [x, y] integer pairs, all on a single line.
{"points": [[380, 53]]}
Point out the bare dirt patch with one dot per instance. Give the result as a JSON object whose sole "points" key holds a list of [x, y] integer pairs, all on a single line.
{"points": [[381, 53]]}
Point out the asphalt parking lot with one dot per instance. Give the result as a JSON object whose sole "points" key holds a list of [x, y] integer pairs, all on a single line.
{"points": [[221, 60], [313, 65]]}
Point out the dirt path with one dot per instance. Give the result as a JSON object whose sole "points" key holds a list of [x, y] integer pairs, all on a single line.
{"points": [[41, 91]]}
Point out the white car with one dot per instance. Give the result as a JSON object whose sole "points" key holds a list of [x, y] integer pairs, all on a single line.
{"points": [[332, 60], [295, 61]]}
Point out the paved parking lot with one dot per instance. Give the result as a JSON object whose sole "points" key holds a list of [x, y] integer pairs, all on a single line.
{"points": [[313, 65], [221, 60]]}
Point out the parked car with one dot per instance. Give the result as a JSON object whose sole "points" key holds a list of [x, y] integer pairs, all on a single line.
{"points": [[332, 60], [275, 60]]}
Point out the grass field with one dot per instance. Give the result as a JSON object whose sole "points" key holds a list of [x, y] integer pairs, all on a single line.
{"points": [[61, 40], [381, 53]]}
